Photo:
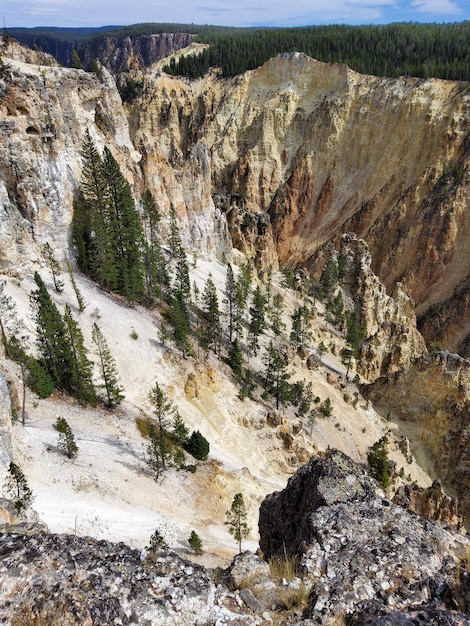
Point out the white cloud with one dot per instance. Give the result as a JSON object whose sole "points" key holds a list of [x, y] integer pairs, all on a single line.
{"points": [[437, 7], [226, 12]]}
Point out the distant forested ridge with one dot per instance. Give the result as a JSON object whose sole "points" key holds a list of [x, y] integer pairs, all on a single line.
{"points": [[424, 50]]}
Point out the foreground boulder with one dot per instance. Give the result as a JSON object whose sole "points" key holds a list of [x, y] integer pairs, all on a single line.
{"points": [[62, 579], [362, 554]]}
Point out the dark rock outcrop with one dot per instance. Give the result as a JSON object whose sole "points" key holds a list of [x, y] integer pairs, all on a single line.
{"points": [[62, 579], [356, 547]]}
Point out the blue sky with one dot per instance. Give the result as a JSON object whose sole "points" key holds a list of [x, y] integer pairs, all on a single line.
{"points": [[73, 13]]}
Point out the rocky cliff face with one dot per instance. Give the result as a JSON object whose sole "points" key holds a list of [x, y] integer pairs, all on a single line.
{"points": [[392, 340], [324, 150], [44, 114], [364, 557], [121, 54], [432, 398]]}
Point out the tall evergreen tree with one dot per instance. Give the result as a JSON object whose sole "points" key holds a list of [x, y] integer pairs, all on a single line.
{"points": [[174, 238], [276, 311], [151, 214], [52, 337], [236, 520], [301, 331], [229, 301], [90, 225], [211, 328], [109, 375], [242, 291], [235, 359], [276, 375], [257, 322], [156, 274], [180, 323], [11, 324], [125, 231], [54, 266], [163, 411], [61, 346], [80, 381]]}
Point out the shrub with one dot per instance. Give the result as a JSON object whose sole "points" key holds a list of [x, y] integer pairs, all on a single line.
{"points": [[198, 446]]}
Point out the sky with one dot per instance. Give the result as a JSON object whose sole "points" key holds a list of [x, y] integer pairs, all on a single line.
{"points": [[73, 13]]}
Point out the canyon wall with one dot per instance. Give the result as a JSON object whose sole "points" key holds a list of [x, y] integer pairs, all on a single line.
{"points": [[44, 113], [323, 150], [431, 401], [121, 54]]}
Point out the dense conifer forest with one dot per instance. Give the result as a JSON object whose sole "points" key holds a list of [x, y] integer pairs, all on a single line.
{"points": [[423, 50]]}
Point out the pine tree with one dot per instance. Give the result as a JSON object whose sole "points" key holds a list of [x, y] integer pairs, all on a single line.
{"points": [[17, 487], [174, 239], [242, 291], [198, 446], [277, 325], [53, 263], [257, 322], [195, 542], [109, 375], [90, 225], [276, 375], [235, 359], [80, 382], [180, 323], [78, 293], [125, 229], [76, 61], [11, 324], [156, 454], [329, 277], [378, 462], [182, 283], [66, 441], [151, 214], [236, 520], [163, 410], [210, 314], [301, 318], [156, 274], [229, 301], [52, 337], [180, 432]]}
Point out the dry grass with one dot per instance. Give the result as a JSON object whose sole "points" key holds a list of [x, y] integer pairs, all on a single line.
{"points": [[295, 597], [143, 425], [286, 567]]}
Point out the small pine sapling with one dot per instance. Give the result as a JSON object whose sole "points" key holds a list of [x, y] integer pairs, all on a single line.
{"points": [[156, 541], [78, 293], [66, 441], [195, 542], [236, 520], [17, 487]]}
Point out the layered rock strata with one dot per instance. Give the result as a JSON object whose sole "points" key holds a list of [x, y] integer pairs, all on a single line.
{"points": [[432, 400]]}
